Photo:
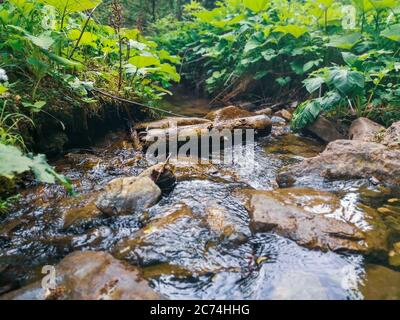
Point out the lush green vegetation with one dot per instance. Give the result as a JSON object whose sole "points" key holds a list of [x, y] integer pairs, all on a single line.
{"points": [[344, 53], [58, 43]]}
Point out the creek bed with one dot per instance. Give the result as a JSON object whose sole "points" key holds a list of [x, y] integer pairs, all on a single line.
{"points": [[190, 256]]}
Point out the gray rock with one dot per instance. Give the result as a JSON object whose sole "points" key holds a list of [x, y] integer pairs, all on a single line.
{"points": [[348, 159]]}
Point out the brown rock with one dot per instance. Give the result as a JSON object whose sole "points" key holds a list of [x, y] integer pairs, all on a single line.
{"points": [[265, 111], [325, 130], [217, 220], [76, 215], [348, 159], [228, 113], [392, 136], [128, 195], [365, 130], [381, 283], [284, 114], [90, 276], [307, 228]]}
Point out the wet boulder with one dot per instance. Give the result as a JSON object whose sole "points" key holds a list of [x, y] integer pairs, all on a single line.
{"points": [[348, 159], [228, 113], [269, 211], [324, 130], [392, 136], [128, 195], [90, 276], [365, 130]]}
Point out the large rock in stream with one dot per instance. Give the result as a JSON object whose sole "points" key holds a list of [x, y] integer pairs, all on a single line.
{"points": [[365, 130], [296, 214], [134, 194], [228, 113], [391, 137], [348, 159], [90, 276]]}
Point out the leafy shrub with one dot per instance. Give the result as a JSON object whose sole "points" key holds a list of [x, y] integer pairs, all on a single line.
{"points": [[346, 56]]}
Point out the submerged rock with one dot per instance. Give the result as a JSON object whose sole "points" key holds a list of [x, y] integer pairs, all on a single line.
{"points": [[268, 212], [293, 146], [90, 276], [381, 284], [128, 195], [392, 135], [76, 215], [365, 130], [348, 159], [228, 113], [324, 130], [158, 225]]}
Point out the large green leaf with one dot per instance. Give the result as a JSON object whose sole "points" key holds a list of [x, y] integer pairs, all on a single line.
{"points": [[295, 30], [308, 112], [44, 40], [344, 41], [13, 161], [348, 82], [392, 32], [384, 4], [144, 61], [71, 6], [256, 5]]}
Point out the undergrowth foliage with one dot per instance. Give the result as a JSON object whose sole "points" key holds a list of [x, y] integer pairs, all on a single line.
{"points": [[345, 53], [59, 41]]}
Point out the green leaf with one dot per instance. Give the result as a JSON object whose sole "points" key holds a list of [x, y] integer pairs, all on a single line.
{"points": [[71, 6], [170, 71], [383, 4], [43, 41], [349, 58], [392, 32], [13, 161], [344, 41], [346, 81], [144, 61], [306, 114], [3, 89], [295, 30], [314, 84], [256, 5]]}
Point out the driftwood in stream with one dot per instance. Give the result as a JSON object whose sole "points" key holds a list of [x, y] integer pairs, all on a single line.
{"points": [[260, 123]]}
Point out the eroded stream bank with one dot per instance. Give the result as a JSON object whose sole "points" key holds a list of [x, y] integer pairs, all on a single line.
{"points": [[197, 242]]}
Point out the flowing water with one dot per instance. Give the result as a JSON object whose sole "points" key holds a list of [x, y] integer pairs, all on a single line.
{"points": [[185, 255]]}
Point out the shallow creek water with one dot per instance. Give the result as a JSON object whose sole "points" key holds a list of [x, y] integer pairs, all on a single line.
{"points": [[182, 254]]}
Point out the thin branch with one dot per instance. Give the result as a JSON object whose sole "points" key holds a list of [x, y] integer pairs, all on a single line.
{"points": [[136, 103]]}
